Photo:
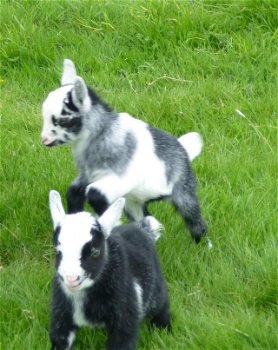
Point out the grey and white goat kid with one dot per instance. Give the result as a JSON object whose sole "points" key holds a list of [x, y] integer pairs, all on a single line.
{"points": [[120, 156], [105, 276]]}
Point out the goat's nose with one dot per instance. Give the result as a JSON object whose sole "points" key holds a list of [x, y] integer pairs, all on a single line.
{"points": [[44, 140], [72, 278]]}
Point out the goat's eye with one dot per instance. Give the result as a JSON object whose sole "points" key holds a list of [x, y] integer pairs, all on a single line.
{"points": [[95, 252]]}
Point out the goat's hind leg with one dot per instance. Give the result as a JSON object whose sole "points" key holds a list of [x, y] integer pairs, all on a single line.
{"points": [[185, 200], [123, 336], [162, 319]]}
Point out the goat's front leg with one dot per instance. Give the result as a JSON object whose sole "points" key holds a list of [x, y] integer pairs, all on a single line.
{"points": [[62, 330], [76, 195], [123, 337], [60, 341], [102, 193]]}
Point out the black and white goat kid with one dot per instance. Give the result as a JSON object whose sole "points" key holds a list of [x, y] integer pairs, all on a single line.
{"points": [[105, 276], [120, 156]]}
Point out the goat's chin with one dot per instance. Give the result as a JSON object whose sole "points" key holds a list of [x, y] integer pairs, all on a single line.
{"points": [[74, 289]]}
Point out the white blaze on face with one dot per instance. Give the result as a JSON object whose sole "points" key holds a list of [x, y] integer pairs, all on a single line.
{"points": [[53, 106], [74, 234]]}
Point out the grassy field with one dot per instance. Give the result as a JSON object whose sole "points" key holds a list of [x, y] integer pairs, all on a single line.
{"points": [[207, 66]]}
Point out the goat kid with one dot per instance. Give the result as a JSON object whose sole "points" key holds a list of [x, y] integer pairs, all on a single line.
{"points": [[120, 156], [105, 276]]}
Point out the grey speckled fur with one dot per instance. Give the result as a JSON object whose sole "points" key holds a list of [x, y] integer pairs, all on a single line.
{"points": [[171, 152]]}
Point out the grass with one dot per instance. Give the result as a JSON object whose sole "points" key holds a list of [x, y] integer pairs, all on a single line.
{"points": [[181, 66]]}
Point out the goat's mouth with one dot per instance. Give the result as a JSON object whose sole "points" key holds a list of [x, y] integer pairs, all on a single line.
{"points": [[74, 287], [54, 143]]}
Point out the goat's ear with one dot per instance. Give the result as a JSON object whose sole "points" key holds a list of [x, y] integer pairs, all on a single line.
{"points": [[56, 207], [111, 217], [80, 91], [69, 73]]}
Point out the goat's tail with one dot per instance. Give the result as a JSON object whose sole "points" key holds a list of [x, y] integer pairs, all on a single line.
{"points": [[192, 142], [151, 226]]}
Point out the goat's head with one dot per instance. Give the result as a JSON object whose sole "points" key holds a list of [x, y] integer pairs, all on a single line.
{"points": [[63, 108], [80, 242]]}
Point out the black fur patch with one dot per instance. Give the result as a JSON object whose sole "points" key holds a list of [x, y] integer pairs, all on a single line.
{"points": [[64, 112], [68, 102], [54, 120], [71, 124], [97, 200], [66, 136], [92, 255], [96, 231], [58, 259], [75, 198], [96, 100]]}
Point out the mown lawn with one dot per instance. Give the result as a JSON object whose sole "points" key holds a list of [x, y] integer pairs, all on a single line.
{"points": [[207, 66]]}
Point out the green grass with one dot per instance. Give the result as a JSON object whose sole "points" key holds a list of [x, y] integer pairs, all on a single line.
{"points": [[182, 66]]}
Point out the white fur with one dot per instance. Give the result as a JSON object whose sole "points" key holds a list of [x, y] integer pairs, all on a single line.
{"points": [[69, 73], [139, 295], [193, 144], [56, 207], [155, 227], [209, 243], [74, 234], [143, 177], [53, 105], [145, 169], [78, 313], [111, 216], [80, 94], [71, 339]]}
